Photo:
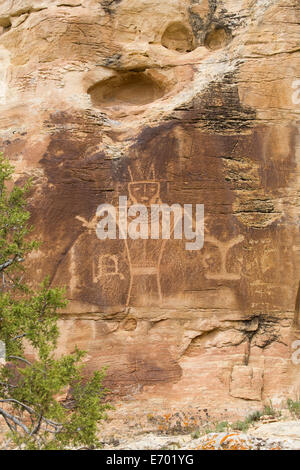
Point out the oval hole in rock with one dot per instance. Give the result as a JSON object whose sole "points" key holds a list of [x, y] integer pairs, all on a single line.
{"points": [[178, 37], [217, 38], [133, 88], [5, 26]]}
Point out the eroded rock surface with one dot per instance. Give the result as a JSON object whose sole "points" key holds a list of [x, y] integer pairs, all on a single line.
{"points": [[184, 102]]}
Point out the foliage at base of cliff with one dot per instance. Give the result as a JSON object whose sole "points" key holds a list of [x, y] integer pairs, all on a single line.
{"points": [[31, 392]]}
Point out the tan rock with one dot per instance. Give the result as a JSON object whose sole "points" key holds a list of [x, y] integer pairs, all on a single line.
{"points": [[280, 430], [166, 102], [246, 382]]}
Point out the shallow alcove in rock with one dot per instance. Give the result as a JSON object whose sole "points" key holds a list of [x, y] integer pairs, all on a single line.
{"points": [[132, 88], [217, 38], [178, 37], [5, 25]]}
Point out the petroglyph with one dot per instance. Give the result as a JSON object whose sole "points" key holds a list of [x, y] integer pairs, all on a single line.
{"points": [[224, 249], [108, 265], [164, 222]]}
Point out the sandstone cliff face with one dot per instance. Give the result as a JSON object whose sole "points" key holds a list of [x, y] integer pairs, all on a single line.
{"points": [[180, 101]]}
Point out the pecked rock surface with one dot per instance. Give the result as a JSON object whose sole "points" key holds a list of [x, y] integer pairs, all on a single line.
{"points": [[181, 101]]}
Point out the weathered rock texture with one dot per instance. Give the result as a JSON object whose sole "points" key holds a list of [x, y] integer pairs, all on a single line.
{"points": [[174, 101]]}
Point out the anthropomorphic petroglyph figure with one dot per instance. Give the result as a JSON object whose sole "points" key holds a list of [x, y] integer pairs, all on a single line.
{"points": [[224, 250], [108, 265], [144, 253]]}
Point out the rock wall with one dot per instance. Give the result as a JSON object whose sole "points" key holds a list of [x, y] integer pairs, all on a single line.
{"points": [[180, 101]]}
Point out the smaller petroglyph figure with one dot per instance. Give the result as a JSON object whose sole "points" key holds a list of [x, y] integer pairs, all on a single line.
{"points": [[224, 249], [107, 266]]}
